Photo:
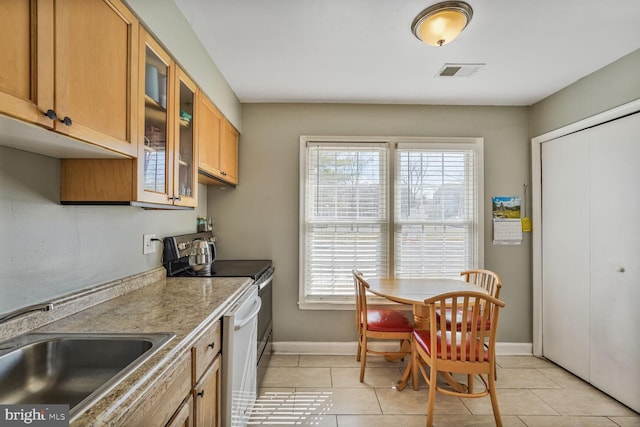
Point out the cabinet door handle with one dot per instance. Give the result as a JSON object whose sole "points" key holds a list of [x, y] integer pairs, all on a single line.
{"points": [[177, 198], [51, 114], [201, 393], [212, 345], [67, 121]]}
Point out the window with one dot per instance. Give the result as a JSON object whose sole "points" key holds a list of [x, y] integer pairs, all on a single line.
{"points": [[402, 207]]}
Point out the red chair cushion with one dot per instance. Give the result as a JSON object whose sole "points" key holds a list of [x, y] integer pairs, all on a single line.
{"points": [[423, 339], [448, 318], [388, 321]]}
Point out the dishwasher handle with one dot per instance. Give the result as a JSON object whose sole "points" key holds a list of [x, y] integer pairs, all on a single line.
{"points": [[257, 303]]}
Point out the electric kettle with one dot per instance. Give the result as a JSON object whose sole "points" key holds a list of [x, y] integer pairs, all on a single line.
{"points": [[200, 256]]}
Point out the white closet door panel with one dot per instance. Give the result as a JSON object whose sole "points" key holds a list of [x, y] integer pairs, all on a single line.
{"points": [[615, 246], [565, 258]]}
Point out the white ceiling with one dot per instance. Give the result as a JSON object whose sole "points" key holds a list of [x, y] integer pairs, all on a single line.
{"points": [[363, 51]]}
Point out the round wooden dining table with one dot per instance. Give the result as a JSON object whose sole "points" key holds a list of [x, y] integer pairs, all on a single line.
{"points": [[414, 292]]}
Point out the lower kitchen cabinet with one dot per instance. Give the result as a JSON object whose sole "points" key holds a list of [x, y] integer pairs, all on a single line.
{"points": [[189, 394], [164, 401], [206, 397], [184, 416], [206, 360]]}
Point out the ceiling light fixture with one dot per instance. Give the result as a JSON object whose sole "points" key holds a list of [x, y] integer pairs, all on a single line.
{"points": [[441, 23]]}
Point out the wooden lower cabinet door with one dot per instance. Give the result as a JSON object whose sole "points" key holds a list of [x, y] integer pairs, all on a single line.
{"points": [[164, 400], [184, 416], [206, 397]]}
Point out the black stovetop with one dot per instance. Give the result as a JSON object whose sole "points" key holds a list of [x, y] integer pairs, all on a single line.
{"points": [[230, 268], [176, 260]]}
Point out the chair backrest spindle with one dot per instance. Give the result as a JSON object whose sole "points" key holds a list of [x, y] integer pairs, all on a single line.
{"points": [[486, 279]]}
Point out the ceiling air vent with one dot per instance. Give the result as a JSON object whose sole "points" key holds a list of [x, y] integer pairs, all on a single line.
{"points": [[459, 70]]}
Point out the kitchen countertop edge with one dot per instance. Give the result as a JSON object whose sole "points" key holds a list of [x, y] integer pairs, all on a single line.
{"points": [[183, 306]]}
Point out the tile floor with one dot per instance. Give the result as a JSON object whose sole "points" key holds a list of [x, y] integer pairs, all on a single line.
{"points": [[325, 391]]}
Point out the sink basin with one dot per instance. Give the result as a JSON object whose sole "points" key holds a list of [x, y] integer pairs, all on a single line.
{"points": [[73, 369]]}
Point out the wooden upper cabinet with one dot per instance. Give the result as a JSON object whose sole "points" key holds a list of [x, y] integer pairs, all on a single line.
{"points": [[26, 68], [185, 176], [70, 65], [209, 125], [218, 145], [229, 152], [156, 127], [164, 174], [96, 52]]}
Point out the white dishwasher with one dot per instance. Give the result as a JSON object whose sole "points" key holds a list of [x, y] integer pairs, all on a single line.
{"points": [[239, 359]]}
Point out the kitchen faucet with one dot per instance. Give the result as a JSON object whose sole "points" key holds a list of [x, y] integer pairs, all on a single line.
{"points": [[25, 310]]}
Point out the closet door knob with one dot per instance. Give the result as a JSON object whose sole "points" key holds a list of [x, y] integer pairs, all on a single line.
{"points": [[620, 270]]}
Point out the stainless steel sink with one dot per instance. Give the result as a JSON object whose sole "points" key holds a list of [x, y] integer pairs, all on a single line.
{"points": [[73, 369]]}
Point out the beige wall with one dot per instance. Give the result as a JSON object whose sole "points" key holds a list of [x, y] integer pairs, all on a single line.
{"points": [[259, 219], [609, 87]]}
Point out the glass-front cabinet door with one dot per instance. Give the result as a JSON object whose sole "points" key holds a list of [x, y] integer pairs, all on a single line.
{"points": [[155, 167], [185, 176]]}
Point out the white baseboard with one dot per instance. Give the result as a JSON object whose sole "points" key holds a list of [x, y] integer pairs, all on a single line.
{"points": [[514, 349], [349, 348]]}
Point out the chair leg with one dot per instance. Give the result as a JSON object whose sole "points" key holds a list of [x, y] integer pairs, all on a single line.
{"points": [[359, 348], [405, 376], [405, 346], [470, 384], [363, 358], [494, 400], [433, 374], [415, 361]]}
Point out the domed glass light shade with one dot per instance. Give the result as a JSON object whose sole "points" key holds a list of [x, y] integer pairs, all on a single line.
{"points": [[441, 23]]}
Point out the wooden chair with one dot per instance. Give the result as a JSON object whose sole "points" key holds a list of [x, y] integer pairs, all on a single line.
{"points": [[378, 325], [462, 352], [486, 279]]}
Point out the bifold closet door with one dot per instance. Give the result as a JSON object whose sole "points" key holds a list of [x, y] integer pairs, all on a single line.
{"points": [[615, 259], [565, 254]]}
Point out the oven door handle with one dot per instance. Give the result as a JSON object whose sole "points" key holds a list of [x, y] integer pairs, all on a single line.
{"points": [[257, 303]]}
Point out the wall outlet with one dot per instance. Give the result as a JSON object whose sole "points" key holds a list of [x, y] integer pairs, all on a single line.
{"points": [[148, 246]]}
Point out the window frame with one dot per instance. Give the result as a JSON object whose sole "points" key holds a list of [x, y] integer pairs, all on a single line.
{"points": [[475, 143]]}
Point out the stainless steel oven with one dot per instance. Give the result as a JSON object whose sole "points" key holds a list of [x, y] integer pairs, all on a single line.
{"points": [[265, 326]]}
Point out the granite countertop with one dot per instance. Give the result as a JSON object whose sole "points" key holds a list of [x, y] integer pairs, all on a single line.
{"points": [[183, 306]]}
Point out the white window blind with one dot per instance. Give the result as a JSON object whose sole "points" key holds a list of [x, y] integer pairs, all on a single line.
{"points": [[393, 207], [436, 210], [346, 216]]}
